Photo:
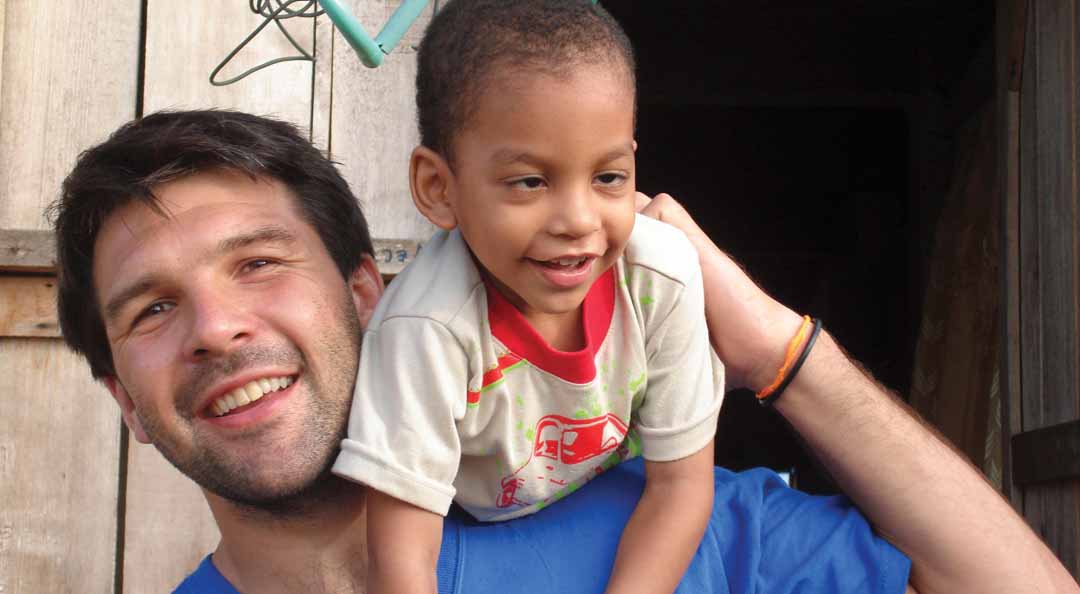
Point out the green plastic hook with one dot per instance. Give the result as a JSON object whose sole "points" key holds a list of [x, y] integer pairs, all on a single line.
{"points": [[371, 52]]}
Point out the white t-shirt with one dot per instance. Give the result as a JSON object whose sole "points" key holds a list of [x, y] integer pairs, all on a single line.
{"points": [[458, 398]]}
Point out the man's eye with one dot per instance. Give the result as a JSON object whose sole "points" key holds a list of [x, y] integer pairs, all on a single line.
{"points": [[257, 263], [528, 183], [153, 310]]}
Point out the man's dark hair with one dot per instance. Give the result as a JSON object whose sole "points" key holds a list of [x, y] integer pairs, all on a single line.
{"points": [[470, 41], [165, 146]]}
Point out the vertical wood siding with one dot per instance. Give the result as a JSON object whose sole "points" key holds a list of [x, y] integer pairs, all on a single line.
{"points": [[373, 125], [59, 472], [59, 431], [1049, 260]]}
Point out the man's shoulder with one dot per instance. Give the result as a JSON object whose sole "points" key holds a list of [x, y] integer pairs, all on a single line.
{"points": [[206, 579], [439, 284]]}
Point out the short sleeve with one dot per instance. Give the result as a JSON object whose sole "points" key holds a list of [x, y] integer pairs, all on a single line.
{"points": [[402, 435], [685, 385]]}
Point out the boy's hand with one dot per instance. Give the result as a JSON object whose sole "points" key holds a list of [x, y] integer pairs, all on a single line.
{"points": [[748, 329], [659, 541], [403, 546]]}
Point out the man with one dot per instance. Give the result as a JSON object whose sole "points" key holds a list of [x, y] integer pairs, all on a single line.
{"points": [[216, 273]]}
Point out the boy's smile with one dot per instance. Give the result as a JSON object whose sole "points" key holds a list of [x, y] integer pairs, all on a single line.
{"points": [[542, 185]]}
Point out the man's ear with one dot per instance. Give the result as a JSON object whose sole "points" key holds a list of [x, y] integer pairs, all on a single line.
{"points": [[429, 179], [635, 145], [127, 408], [366, 286]]}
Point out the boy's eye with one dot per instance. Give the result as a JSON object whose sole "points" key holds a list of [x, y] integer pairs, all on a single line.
{"points": [[610, 179], [528, 183]]}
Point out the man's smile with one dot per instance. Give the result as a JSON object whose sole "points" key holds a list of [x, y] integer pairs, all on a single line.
{"points": [[242, 396]]}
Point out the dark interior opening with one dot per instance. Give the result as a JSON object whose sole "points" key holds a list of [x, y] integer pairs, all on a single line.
{"points": [[815, 143]]}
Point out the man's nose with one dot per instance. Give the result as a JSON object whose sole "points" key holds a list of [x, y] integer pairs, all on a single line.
{"points": [[576, 213], [219, 323]]}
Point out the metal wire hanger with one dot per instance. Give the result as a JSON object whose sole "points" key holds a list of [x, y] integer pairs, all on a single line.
{"points": [[284, 11], [370, 51]]}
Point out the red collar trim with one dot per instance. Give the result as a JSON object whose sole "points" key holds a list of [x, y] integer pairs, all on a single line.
{"points": [[578, 367]]}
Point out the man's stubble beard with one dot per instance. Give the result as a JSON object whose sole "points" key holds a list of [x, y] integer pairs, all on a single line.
{"points": [[302, 480]]}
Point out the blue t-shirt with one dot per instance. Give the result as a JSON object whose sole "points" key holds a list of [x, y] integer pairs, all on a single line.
{"points": [[762, 538]]}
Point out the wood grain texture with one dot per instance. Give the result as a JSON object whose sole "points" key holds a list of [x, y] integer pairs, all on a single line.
{"points": [[24, 251], [54, 62], [3, 11], [322, 96], [169, 528], [1049, 262], [185, 41], [1048, 454], [373, 125], [27, 250], [59, 469], [960, 322], [28, 307], [1010, 31], [1009, 173]]}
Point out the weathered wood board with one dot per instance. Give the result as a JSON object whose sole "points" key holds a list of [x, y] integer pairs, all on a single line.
{"points": [[1049, 263], [59, 472], [373, 124], [68, 77], [27, 250], [68, 80], [28, 307], [185, 41], [168, 529]]}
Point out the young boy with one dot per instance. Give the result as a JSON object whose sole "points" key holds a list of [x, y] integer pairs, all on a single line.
{"points": [[546, 334]]}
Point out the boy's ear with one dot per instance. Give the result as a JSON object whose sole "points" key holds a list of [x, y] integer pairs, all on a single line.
{"points": [[430, 179], [635, 145], [127, 408]]}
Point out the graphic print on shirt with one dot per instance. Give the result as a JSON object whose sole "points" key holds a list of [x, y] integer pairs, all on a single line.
{"points": [[562, 441], [493, 377]]}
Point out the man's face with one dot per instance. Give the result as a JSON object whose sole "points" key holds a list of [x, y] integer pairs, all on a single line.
{"points": [[234, 336], [543, 183]]}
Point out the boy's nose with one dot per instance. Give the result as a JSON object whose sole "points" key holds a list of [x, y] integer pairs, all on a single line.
{"points": [[576, 215]]}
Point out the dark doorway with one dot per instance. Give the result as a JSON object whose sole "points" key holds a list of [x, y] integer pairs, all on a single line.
{"points": [[814, 142]]}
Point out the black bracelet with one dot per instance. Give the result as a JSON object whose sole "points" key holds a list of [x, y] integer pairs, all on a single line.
{"points": [[771, 398]]}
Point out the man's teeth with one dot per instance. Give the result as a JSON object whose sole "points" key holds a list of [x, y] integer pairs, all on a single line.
{"points": [[248, 393]]}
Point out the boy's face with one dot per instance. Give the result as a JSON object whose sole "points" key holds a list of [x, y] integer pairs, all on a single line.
{"points": [[543, 184]]}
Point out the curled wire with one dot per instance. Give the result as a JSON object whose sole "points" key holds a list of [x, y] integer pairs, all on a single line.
{"points": [[270, 14]]}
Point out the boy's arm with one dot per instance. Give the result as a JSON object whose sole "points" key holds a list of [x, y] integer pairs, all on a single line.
{"points": [[929, 502], [403, 546], [666, 527]]}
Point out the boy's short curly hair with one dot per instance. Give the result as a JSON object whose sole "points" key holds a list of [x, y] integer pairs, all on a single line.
{"points": [[470, 41]]}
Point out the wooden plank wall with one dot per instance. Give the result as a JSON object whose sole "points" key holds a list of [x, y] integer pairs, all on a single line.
{"points": [[373, 127], [1010, 32], [59, 432], [83, 510], [1049, 265]]}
